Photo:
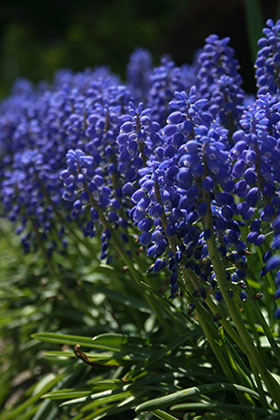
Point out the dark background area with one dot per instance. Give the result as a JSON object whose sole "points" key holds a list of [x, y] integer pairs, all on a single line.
{"points": [[37, 38]]}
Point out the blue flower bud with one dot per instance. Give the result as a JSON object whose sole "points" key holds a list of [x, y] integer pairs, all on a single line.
{"points": [[152, 251], [145, 238], [77, 205], [112, 216], [158, 265], [127, 188], [260, 240], [170, 229], [238, 168], [273, 263], [276, 223], [277, 313], [145, 225], [219, 296], [243, 295], [98, 180], [138, 195], [169, 130], [175, 117], [252, 237], [277, 294]]}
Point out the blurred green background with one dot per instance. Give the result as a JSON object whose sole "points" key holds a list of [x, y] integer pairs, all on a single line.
{"points": [[38, 37]]}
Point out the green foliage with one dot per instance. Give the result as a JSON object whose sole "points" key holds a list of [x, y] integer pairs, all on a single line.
{"points": [[118, 360]]}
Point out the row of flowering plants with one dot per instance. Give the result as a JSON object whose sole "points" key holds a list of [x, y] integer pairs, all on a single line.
{"points": [[149, 216]]}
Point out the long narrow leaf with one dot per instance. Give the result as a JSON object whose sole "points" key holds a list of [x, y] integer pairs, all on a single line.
{"points": [[163, 415], [130, 301], [65, 394], [112, 342], [191, 392], [14, 414], [205, 406]]}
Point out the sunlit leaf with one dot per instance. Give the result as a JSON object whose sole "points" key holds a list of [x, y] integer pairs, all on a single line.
{"points": [[191, 392]]}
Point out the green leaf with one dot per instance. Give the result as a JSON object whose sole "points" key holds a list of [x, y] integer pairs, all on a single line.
{"points": [[144, 416], [163, 415], [104, 358], [14, 414], [30, 413], [100, 398], [59, 354], [130, 301], [219, 407], [65, 394], [113, 409], [273, 417], [167, 350], [47, 410], [105, 384], [116, 341], [112, 342], [99, 401], [191, 392]]}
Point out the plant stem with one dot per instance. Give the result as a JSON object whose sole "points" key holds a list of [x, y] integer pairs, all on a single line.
{"points": [[215, 348], [209, 331], [267, 331], [72, 297], [203, 320], [251, 351], [119, 248], [212, 306], [62, 219]]}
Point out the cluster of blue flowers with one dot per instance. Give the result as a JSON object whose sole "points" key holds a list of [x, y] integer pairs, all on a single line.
{"points": [[175, 161]]}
